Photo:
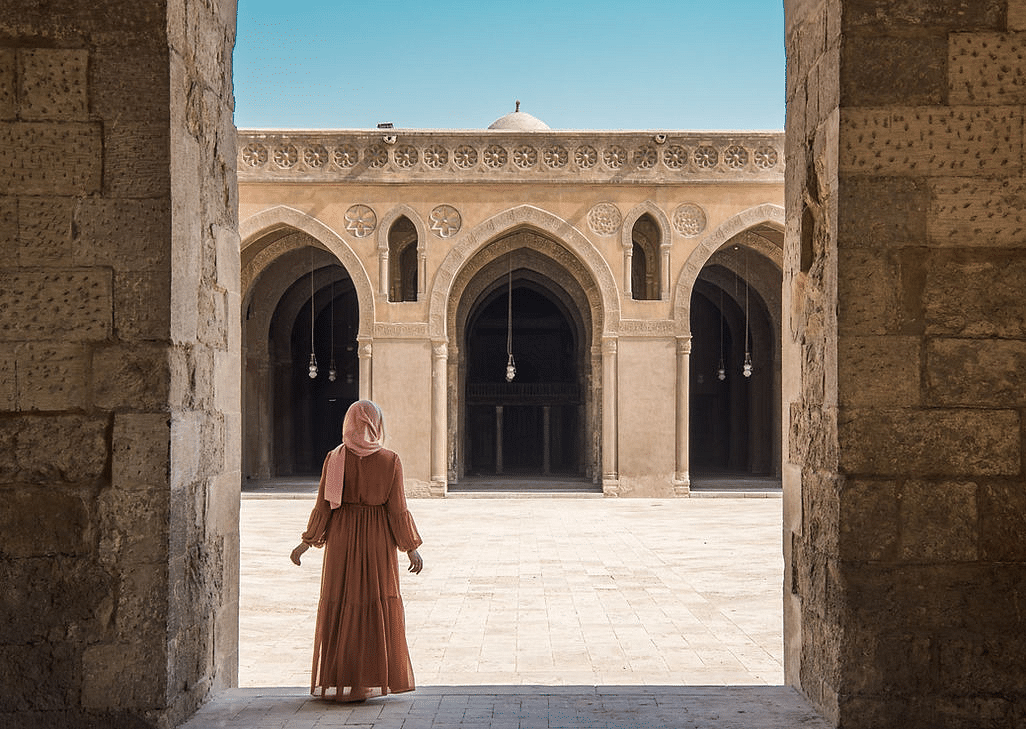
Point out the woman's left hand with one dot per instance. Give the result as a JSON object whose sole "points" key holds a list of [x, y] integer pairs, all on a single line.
{"points": [[299, 552], [416, 563]]}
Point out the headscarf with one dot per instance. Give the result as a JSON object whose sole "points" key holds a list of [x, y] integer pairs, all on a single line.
{"points": [[363, 431]]}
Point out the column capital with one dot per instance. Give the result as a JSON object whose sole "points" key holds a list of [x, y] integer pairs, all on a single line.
{"points": [[609, 345], [439, 348], [365, 349], [684, 345]]}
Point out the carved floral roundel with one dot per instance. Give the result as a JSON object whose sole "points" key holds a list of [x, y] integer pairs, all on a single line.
{"points": [[361, 221], [604, 219]]}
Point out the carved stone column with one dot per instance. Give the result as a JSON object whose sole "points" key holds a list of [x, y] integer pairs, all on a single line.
{"points": [[628, 263], [383, 273], [610, 475], [682, 476], [439, 418], [664, 273], [365, 351], [421, 271]]}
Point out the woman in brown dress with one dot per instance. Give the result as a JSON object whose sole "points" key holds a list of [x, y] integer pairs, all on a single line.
{"points": [[360, 518]]}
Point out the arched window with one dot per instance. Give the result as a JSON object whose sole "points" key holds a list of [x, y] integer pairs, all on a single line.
{"points": [[645, 259], [402, 261]]}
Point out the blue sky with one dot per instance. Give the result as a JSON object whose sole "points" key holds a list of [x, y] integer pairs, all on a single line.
{"points": [[645, 64]]}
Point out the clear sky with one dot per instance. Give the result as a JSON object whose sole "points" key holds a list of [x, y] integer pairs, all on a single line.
{"points": [[638, 64]]}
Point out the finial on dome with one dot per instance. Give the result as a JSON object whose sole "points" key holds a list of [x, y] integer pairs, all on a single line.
{"points": [[518, 105]]}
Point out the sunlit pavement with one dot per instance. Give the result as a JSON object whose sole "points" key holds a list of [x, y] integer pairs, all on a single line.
{"points": [[539, 612]]}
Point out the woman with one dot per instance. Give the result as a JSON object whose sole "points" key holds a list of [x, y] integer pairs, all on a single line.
{"points": [[360, 518]]}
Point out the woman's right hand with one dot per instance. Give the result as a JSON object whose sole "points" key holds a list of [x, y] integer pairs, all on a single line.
{"points": [[299, 552]]}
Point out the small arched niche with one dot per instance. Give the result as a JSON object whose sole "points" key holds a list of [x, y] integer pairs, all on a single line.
{"points": [[645, 242], [402, 260]]}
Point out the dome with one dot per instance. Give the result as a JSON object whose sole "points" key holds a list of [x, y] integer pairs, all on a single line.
{"points": [[519, 121]]}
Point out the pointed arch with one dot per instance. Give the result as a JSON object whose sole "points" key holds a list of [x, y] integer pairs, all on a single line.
{"points": [[767, 214], [542, 221], [384, 256], [657, 259], [281, 217]]}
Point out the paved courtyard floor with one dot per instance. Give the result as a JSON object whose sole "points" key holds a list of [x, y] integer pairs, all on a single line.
{"points": [[539, 612]]}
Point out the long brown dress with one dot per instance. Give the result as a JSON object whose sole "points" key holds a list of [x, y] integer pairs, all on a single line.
{"points": [[360, 646]]}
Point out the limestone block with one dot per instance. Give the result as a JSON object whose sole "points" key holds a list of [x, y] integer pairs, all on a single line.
{"points": [[141, 614], [227, 393], [869, 520], [135, 377], [186, 444], [53, 376], [27, 667], [53, 448], [8, 83], [192, 377], [938, 522], [878, 371], [929, 442], [38, 522], [134, 524], [869, 287], [880, 70], [931, 140], [56, 158], [1016, 14], [883, 212], [45, 231], [126, 675], [812, 436], [9, 229], [128, 235], [974, 372], [141, 308], [135, 160], [971, 212], [54, 84], [987, 68], [71, 304], [141, 451], [975, 294], [8, 379], [821, 506], [1002, 514], [228, 258], [134, 73], [954, 14]]}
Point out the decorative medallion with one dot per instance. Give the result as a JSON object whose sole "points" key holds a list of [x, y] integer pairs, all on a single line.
{"points": [[645, 157], [436, 156], [377, 156], [689, 220], [605, 219], [495, 156], [254, 155], [675, 157], [556, 156], [765, 157], [346, 156], [405, 156], [525, 156], [445, 221], [706, 157], [361, 221], [465, 156], [315, 157], [615, 157], [735, 156], [586, 156], [286, 156]]}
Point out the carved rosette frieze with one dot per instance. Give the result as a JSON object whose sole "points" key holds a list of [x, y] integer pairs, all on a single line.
{"points": [[445, 221], [480, 156], [605, 219], [689, 220], [361, 221]]}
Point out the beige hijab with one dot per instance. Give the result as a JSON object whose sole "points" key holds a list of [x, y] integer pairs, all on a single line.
{"points": [[363, 432]]}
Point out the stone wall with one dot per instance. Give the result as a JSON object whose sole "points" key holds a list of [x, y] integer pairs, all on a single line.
{"points": [[118, 398], [905, 499]]}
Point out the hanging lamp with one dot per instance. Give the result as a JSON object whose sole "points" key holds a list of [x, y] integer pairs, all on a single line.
{"points": [[746, 368], [332, 372], [511, 366], [312, 369]]}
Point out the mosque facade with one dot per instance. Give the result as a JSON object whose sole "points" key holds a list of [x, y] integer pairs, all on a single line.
{"points": [[628, 282]]}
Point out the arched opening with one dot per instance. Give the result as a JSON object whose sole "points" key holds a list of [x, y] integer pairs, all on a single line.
{"points": [[402, 260], [645, 274]]}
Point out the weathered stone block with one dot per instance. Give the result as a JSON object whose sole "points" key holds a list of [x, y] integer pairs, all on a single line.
{"points": [[138, 73], [129, 235], [975, 294], [45, 231], [141, 308], [38, 522], [53, 376], [134, 524], [812, 438], [25, 668], [931, 140], [54, 84], [141, 451], [122, 676], [1016, 14], [882, 212], [73, 305], [136, 161], [1002, 510], [869, 521], [8, 379], [987, 372], [134, 377], [929, 442], [51, 158], [973, 212], [8, 84], [987, 68], [142, 592], [938, 522], [953, 14], [53, 448], [878, 371], [894, 69], [869, 293]]}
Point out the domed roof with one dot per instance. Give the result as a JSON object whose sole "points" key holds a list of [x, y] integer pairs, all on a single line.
{"points": [[519, 121]]}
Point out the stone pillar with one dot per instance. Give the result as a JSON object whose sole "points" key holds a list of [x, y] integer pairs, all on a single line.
{"points": [[439, 418], [119, 322], [365, 353], [628, 266], [664, 273], [682, 475], [904, 361], [421, 270], [383, 277], [610, 436], [498, 440]]}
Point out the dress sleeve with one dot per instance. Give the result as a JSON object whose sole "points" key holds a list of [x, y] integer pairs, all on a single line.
{"points": [[317, 528], [400, 520]]}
